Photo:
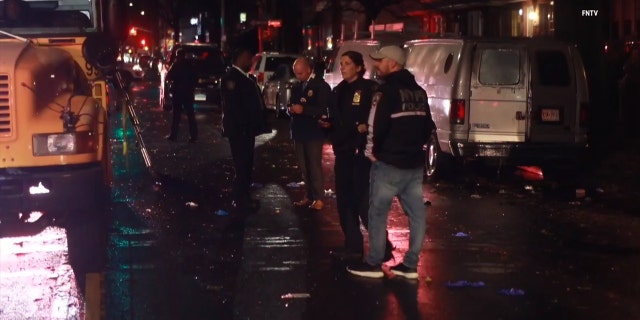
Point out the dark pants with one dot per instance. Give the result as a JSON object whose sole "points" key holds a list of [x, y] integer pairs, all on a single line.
{"points": [[352, 197], [309, 155], [183, 103], [242, 153]]}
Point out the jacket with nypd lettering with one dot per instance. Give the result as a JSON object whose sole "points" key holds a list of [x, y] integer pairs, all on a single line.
{"points": [[399, 122]]}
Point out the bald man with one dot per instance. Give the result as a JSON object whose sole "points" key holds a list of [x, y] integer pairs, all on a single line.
{"points": [[309, 101]]}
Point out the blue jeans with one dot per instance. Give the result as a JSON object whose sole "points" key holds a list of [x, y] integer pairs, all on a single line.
{"points": [[386, 182]]}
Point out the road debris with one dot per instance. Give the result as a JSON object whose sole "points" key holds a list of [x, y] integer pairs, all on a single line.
{"points": [[511, 292], [464, 284], [191, 205], [221, 212], [297, 295]]}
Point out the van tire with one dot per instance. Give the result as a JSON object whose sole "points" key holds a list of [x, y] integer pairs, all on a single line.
{"points": [[437, 163]]}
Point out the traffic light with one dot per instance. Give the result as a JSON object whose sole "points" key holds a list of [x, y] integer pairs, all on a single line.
{"points": [[133, 31], [143, 42]]}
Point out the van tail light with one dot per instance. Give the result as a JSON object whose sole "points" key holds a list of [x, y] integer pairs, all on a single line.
{"points": [[584, 114], [260, 77], [458, 111]]}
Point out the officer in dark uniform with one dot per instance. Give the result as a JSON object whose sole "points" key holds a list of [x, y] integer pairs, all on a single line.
{"points": [[244, 117], [309, 101], [182, 76], [346, 124]]}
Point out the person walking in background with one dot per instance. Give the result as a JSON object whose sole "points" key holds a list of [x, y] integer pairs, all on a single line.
{"points": [[243, 118], [182, 77], [347, 127], [399, 126], [309, 101]]}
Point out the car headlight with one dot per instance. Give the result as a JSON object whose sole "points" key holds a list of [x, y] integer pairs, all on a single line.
{"points": [[50, 144]]}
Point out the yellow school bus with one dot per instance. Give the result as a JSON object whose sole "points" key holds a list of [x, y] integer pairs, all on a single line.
{"points": [[54, 146]]}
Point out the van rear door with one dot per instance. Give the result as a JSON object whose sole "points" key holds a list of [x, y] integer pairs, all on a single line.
{"points": [[553, 113], [497, 105]]}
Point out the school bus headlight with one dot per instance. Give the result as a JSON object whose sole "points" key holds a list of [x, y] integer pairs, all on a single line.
{"points": [[63, 143]]}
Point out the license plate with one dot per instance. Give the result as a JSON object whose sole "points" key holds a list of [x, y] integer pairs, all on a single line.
{"points": [[200, 97], [550, 115]]}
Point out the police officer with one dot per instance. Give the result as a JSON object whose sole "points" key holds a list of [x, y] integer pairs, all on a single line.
{"points": [[244, 117], [309, 101], [399, 125], [182, 76], [347, 127]]}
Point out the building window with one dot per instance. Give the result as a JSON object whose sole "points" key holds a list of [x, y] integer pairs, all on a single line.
{"points": [[516, 22]]}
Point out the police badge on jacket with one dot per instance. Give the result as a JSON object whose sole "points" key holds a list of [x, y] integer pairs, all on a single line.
{"points": [[313, 95]]}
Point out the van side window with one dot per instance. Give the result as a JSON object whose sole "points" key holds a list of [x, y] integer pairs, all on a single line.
{"points": [[448, 63], [553, 68], [499, 67]]}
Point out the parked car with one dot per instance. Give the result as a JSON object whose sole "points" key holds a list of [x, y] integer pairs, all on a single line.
{"points": [[210, 64], [277, 89], [365, 47], [266, 63], [518, 100], [130, 71]]}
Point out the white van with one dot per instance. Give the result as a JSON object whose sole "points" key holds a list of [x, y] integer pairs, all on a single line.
{"points": [[519, 100], [365, 47], [333, 76]]}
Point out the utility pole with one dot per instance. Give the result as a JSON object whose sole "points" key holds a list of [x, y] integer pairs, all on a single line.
{"points": [[223, 36], [260, 17]]}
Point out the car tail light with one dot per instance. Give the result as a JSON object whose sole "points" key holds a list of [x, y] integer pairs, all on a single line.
{"points": [[584, 114], [458, 111], [260, 77]]}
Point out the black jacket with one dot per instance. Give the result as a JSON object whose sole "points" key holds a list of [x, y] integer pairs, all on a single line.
{"points": [[183, 78], [314, 98], [401, 122], [243, 110], [350, 106]]}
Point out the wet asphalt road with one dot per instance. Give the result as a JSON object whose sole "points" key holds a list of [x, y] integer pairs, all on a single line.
{"points": [[175, 255]]}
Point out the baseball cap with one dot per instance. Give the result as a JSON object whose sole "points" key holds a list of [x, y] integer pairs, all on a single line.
{"points": [[394, 53]]}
